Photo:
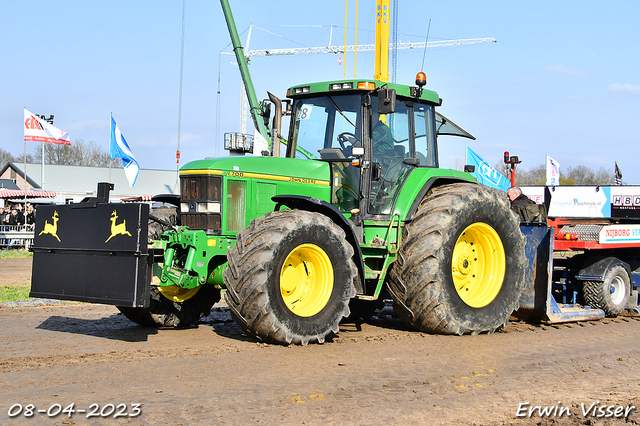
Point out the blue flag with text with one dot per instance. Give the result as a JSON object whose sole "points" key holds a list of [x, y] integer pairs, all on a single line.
{"points": [[485, 174]]}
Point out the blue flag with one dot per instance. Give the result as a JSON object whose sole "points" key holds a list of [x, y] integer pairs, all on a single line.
{"points": [[118, 148], [485, 174]]}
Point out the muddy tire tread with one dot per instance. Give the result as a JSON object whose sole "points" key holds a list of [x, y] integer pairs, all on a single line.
{"points": [[163, 312], [416, 279], [247, 277], [596, 294]]}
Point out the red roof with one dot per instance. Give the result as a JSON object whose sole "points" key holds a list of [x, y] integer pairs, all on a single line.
{"points": [[10, 193], [136, 199]]}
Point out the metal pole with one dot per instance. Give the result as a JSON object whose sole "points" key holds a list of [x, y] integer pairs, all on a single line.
{"points": [[254, 105], [25, 172]]}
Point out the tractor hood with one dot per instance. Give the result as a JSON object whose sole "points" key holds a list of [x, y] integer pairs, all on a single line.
{"points": [[267, 168]]}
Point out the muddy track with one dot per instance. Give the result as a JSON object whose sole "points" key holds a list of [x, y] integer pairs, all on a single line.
{"points": [[374, 373], [377, 372]]}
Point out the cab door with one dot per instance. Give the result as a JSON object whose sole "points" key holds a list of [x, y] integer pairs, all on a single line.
{"points": [[391, 137]]}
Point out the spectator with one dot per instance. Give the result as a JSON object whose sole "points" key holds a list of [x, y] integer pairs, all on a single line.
{"points": [[14, 219], [4, 216], [517, 198], [30, 219]]}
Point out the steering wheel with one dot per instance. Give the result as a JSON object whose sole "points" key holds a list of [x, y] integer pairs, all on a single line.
{"points": [[346, 137]]}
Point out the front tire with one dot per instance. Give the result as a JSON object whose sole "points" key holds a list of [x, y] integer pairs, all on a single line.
{"points": [[171, 306], [290, 278], [174, 307], [611, 295], [460, 269]]}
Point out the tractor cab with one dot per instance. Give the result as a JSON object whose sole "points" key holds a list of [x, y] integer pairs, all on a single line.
{"points": [[372, 133]]}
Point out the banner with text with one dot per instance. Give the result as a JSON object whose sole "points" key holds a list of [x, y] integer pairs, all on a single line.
{"points": [[484, 173]]}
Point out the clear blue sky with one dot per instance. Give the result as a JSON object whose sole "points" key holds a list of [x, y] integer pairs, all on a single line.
{"points": [[563, 79]]}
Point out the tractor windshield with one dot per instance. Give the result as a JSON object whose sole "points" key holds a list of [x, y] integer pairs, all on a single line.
{"points": [[326, 127]]}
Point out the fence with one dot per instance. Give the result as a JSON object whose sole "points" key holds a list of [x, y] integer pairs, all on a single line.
{"points": [[16, 236]]}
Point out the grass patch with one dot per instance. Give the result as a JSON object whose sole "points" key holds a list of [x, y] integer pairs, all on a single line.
{"points": [[14, 254], [13, 293]]}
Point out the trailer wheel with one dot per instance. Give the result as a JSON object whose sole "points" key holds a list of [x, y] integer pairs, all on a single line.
{"points": [[460, 269], [174, 307], [610, 295], [290, 278]]}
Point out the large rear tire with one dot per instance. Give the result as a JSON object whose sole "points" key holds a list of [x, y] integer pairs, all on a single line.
{"points": [[611, 295], [290, 278], [460, 269]]}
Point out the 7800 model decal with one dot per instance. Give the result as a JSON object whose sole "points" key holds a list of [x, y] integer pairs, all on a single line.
{"points": [[237, 173]]}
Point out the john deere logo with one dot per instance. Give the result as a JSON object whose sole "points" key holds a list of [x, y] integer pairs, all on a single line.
{"points": [[51, 228], [117, 229]]}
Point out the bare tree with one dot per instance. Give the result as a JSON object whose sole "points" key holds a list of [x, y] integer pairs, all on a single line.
{"points": [[605, 177], [78, 153], [578, 175], [534, 176], [5, 157], [586, 176], [581, 174], [20, 158]]}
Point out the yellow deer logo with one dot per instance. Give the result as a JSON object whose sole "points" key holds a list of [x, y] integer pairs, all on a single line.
{"points": [[51, 228], [119, 229]]}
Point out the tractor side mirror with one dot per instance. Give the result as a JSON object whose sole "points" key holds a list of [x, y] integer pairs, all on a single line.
{"points": [[266, 113], [387, 101]]}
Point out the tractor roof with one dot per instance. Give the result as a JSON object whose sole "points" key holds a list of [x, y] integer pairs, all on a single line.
{"points": [[358, 85]]}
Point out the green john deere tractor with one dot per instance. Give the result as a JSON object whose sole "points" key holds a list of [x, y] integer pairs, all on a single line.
{"points": [[349, 206]]}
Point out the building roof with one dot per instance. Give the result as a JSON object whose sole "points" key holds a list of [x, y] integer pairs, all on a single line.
{"points": [[8, 184], [84, 179]]}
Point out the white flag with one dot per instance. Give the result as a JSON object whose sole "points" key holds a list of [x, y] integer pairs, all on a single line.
{"points": [[553, 172], [36, 129]]}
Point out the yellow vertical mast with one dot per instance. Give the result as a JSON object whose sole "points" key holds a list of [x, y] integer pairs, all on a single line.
{"points": [[382, 40], [355, 54], [344, 57]]}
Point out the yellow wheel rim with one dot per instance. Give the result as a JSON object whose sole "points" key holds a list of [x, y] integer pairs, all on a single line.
{"points": [[178, 294], [478, 265], [306, 280]]}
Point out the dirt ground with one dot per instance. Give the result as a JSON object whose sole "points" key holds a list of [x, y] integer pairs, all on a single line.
{"points": [[15, 271], [376, 373]]}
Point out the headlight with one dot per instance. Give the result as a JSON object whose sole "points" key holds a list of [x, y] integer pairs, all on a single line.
{"points": [[208, 207]]}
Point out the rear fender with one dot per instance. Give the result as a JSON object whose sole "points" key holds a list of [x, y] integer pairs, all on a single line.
{"points": [[433, 182], [596, 268]]}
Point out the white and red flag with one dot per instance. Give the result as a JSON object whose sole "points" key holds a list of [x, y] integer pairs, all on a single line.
{"points": [[36, 129], [553, 172]]}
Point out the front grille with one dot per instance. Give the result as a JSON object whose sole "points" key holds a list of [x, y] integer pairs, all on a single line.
{"points": [[205, 188], [211, 223]]}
